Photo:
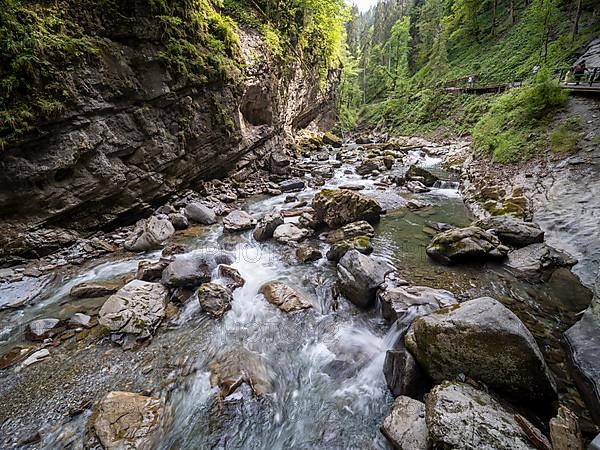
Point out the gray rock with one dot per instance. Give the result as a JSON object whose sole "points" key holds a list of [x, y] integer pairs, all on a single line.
{"points": [[466, 245], [137, 308], [80, 320], [290, 233], [149, 234], [284, 297], [512, 231], [402, 373], [238, 220], [125, 420], [338, 207], [308, 253], [187, 271], [483, 340], [292, 185], [536, 262], [360, 276], [460, 417], [351, 230], [340, 248], [402, 302], [214, 299], [368, 166], [583, 348], [267, 225], [40, 329], [179, 221], [93, 289], [229, 371], [405, 427], [420, 174], [200, 213]]}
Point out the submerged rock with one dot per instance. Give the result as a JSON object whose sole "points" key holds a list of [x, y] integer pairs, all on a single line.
{"points": [[512, 231], [338, 207], [214, 299], [267, 225], [460, 417], [149, 234], [466, 245], [360, 276], [405, 426], [237, 221], [483, 340], [136, 308], [200, 213], [284, 297], [124, 420], [93, 289]]}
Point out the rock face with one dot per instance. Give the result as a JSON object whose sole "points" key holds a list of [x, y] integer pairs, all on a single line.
{"points": [[359, 276], [214, 299], [483, 340], [187, 271], [136, 308], [466, 245], [583, 348], [127, 420], [284, 297], [200, 213], [536, 262], [415, 301], [267, 225], [460, 417], [238, 221], [405, 427], [337, 207], [152, 134], [512, 231], [150, 234]]}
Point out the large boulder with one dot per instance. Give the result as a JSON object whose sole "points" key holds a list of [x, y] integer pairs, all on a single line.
{"points": [[417, 173], [351, 230], [409, 302], [583, 347], [338, 207], [360, 276], [290, 233], [512, 231], [188, 271], [405, 426], [137, 308], [460, 417], [466, 245], [125, 420], [149, 234], [284, 297], [238, 220], [267, 225], [537, 262], [200, 213], [484, 340], [214, 299]]}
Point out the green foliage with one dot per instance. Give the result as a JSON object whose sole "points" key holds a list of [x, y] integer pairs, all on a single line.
{"points": [[507, 130], [564, 139]]}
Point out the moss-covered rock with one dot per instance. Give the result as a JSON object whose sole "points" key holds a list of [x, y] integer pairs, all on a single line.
{"points": [[469, 244], [338, 207]]}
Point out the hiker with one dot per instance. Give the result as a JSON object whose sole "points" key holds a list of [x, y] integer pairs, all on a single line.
{"points": [[535, 69], [579, 71], [470, 81]]}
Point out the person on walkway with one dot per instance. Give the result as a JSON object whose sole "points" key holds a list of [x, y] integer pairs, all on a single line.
{"points": [[579, 71]]}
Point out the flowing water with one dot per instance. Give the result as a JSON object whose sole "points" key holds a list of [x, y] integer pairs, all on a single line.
{"points": [[323, 366]]}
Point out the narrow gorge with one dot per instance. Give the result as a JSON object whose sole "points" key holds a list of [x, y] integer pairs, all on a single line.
{"points": [[299, 225]]}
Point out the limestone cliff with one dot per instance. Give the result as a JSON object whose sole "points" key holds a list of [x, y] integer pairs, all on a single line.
{"points": [[136, 133]]}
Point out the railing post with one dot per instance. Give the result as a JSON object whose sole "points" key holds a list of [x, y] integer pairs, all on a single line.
{"points": [[593, 77]]}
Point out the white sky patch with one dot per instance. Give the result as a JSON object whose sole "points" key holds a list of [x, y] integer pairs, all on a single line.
{"points": [[363, 5]]}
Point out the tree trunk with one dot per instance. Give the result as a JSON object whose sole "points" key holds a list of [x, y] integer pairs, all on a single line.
{"points": [[576, 21], [511, 10]]}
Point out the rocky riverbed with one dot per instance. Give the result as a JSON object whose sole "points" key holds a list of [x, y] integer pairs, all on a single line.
{"points": [[341, 289]]}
